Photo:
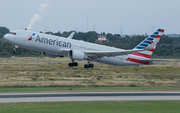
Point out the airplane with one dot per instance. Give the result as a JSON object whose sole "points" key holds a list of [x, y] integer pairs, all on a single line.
{"points": [[55, 46]]}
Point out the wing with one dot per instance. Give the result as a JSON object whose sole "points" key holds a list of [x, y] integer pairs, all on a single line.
{"points": [[101, 54]]}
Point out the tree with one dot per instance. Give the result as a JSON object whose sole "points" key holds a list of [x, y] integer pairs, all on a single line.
{"points": [[4, 30]]}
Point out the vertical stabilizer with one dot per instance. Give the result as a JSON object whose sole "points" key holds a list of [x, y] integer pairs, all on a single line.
{"points": [[149, 44]]}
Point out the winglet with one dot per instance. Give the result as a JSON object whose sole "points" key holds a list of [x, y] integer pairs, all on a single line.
{"points": [[71, 35]]}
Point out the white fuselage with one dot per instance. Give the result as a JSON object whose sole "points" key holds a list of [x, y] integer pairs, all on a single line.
{"points": [[58, 46]]}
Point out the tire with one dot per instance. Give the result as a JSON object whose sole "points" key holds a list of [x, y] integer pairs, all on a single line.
{"points": [[91, 65], [70, 64], [15, 52], [75, 64], [86, 66]]}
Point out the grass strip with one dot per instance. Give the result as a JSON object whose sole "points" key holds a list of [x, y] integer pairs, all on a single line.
{"points": [[85, 89], [93, 107]]}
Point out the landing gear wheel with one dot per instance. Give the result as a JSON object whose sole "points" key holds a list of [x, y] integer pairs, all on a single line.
{"points": [[73, 64], [91, 65], [88, 65], [70, 64], [15, 52]]}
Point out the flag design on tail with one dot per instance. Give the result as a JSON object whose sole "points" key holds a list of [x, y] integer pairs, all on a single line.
{"points": [[152, 40]]}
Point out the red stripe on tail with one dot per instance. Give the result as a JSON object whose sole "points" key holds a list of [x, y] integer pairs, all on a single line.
{"points": [[141, 54], [152, 50], [162, 31], [151, 42], [158, 36], [136, 61]]}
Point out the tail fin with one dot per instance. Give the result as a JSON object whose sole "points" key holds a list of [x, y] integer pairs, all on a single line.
{"points": [[149, 44]]}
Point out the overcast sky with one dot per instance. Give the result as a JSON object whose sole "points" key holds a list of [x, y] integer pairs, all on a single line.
{"points": [[134, 16]]}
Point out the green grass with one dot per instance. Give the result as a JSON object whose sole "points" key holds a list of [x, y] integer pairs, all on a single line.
{"points": [[93, 107], [85, 89], [34, 59]]}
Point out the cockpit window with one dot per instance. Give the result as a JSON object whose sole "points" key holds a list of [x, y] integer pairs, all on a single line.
{"points": [[12, 33]]}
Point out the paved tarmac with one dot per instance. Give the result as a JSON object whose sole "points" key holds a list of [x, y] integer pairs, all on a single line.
{"points": [[57, 62], [87, 96]]}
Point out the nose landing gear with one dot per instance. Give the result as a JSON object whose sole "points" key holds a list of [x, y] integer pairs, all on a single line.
{"points": [[15, 52]]}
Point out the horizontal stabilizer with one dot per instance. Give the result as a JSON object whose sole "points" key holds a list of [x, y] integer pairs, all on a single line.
{"points": [[156, 60]]}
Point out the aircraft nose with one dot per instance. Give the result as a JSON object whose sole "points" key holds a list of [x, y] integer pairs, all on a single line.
{"points": [[5, 36]]}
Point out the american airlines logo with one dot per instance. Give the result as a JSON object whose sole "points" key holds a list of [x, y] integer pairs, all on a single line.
{"points": [[53, 42], [31, 37]]}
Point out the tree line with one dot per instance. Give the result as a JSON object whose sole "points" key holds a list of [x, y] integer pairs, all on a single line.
{"points": [[168, 46]]}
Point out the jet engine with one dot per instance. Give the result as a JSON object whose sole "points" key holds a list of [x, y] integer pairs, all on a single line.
{"points": [[77, 55], [51, 55]]}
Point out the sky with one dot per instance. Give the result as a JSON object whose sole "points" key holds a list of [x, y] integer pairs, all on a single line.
{"points": [[109, 16]]}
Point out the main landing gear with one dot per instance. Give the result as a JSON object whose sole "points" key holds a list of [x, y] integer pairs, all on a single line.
{"points": [[88, 65], [73, 64]]}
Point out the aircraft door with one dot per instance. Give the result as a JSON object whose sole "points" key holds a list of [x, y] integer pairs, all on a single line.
{"points": [[26, 37]]}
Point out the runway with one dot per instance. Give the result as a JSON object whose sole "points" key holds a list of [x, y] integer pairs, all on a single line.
{"points": [[87, 96], [57, 62]]}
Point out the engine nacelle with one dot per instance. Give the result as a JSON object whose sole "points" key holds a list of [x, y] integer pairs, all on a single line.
{"points": [[77, 55], [51, 55]]}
